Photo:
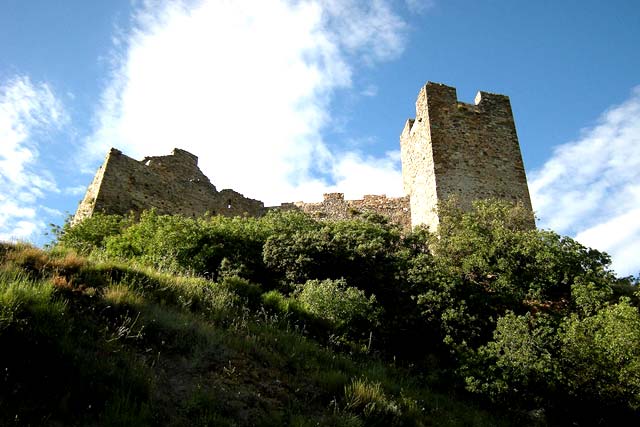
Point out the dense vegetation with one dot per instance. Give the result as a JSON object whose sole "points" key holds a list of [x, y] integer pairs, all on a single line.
{"points": [[285, 320]]}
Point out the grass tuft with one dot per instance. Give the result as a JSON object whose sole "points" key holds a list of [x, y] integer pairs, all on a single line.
{"points": [[121, 294], [369, 400]]}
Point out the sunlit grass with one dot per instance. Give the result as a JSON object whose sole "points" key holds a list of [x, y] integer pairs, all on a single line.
{"points": [[121, 294], [22, 297]]}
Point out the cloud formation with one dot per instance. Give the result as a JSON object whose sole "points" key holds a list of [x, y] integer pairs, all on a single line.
{"points": [[247, 86], [27, 113], [420, 6], [590, 188]]}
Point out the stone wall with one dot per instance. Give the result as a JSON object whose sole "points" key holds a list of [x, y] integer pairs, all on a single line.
{"points": [[171, 184], [469, 151], [334, 206]]}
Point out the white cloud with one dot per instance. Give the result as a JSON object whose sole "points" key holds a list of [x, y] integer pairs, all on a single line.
{"points": [[419, 6], [355, 172], [370, 91], [247, 87], [590, 188], [370, 29], [52, 211], [27, 111], [77, 190]]}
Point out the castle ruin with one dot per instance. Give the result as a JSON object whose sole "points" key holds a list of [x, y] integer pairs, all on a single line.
{"points": [[171, 184], [468, 151]]}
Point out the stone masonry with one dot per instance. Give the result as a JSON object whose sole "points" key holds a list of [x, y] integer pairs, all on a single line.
{"points": [[171, 184], [469, 151], [334, 206]]}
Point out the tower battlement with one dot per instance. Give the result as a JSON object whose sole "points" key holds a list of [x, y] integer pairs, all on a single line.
{"points": [[492, 101]]}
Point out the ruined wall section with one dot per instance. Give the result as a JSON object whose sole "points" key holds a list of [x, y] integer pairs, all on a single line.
{"points": [[335, 207], [179, 166], [171, 184], [469, 151]]}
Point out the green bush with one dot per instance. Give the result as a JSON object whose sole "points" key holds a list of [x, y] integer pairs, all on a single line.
{"points": [[251, 293], [348, 309], [277, 302], [600, 356], [361, 251], [207, 246], [488, 261], [580, 368], [519, 366], [91, 233]]}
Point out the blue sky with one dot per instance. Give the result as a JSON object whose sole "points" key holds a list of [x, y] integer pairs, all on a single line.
{"points": [[284, 100]]}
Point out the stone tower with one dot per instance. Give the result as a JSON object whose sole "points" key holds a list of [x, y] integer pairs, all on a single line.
{"points": [[469, 151]]}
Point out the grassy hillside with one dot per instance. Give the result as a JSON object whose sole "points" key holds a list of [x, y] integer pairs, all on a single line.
{"points": [[88, 342], [284, 320]]}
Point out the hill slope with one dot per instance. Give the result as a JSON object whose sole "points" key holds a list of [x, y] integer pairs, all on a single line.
{"points": [[285, 320], [104, 343]]}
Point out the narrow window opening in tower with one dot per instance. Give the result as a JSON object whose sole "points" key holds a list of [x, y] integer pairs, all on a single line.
{"points": [[229, 204]]}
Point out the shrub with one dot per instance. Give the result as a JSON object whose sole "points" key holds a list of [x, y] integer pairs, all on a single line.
{"points": [[351, 313], [580, 368], [91, 233], [493, 247], [488, 261], [600, 356], [362, 251], [519, 366], [276, 301], [208, 246], [251, 293]]}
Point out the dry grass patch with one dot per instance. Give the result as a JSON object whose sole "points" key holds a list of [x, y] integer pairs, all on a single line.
{"points": [[120, 294]]}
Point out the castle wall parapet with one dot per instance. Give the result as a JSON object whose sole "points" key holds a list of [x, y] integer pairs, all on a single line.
{"points": [[334, 206]]}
